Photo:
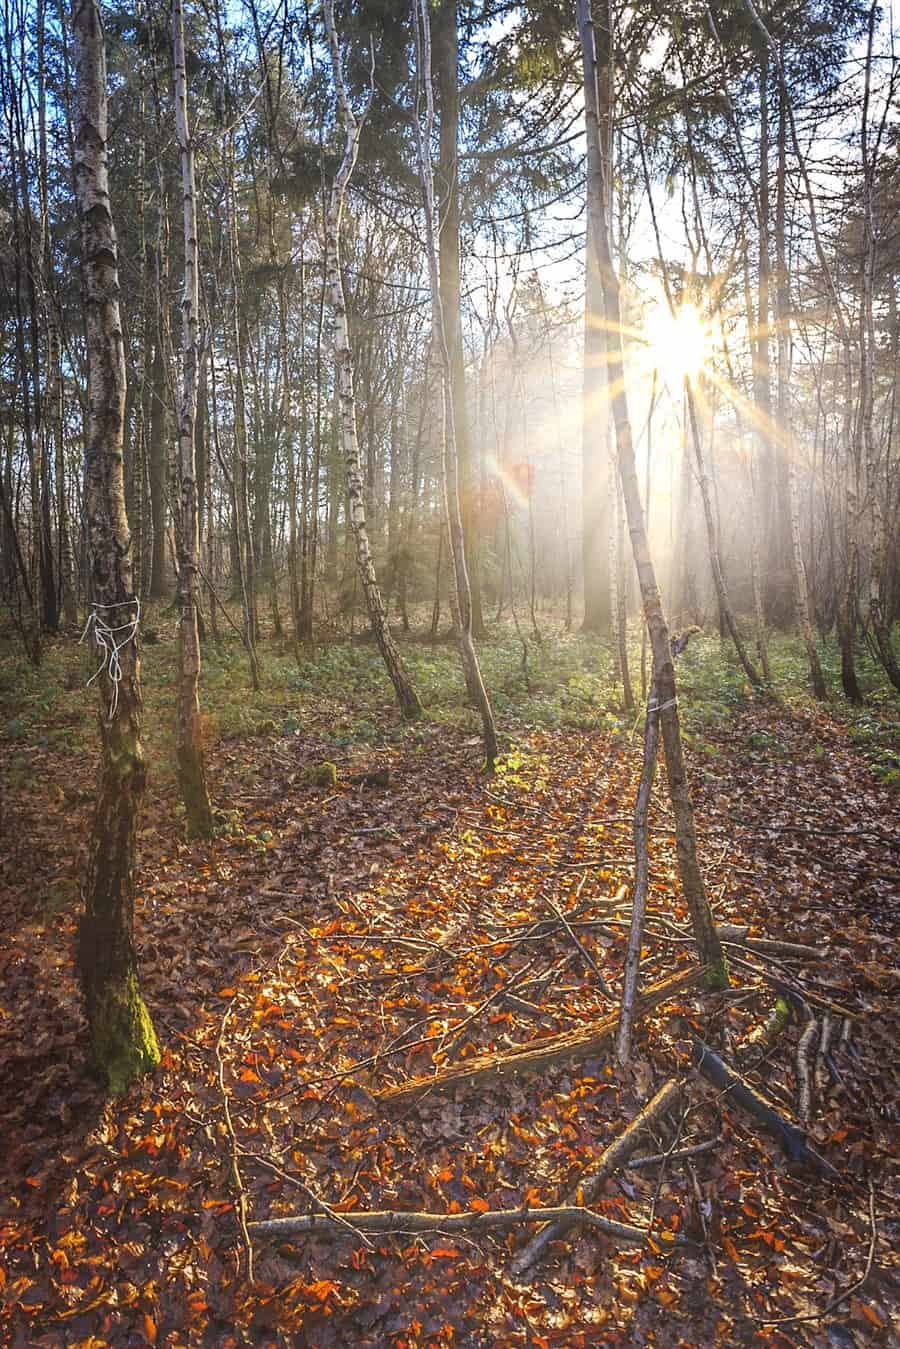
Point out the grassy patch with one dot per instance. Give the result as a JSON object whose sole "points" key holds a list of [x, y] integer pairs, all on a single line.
{"points": [[565, 682]]}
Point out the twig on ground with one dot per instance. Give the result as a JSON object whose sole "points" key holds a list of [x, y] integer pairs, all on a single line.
{"points": [[467, 1221], [298, 1184], [613, 1157], [639, 1163], [848, 1292], [240, 1192]]}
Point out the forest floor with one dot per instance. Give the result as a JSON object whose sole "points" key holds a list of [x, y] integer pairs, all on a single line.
{"points": [[336, 940]]}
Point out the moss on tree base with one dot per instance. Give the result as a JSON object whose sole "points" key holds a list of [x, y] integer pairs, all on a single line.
{"points": [[716, 977], [123, 1042]]}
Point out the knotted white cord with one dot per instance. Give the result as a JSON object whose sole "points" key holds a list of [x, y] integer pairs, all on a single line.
{"points": [[110, 644]]}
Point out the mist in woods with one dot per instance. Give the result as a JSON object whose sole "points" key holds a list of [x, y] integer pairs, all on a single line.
{"points": [[449, 596]]}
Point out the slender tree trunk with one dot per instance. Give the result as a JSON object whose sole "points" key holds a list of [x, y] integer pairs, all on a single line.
{"points": [[158, 436], [762, 367], [191, 767], [785, 419], [762, 643], [876, 597], [622, 604], [641, 877], [407, 697], [122, 1038], [705, 933], [446, 45], [725, 606], [240, 473], [290, 453], [452, 504]]}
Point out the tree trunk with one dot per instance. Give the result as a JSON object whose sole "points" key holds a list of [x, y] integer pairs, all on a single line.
{"points": [[785, 420], [407, 697], [157, 467], [191, 767], [705, 933], [877, 615], [446, 48], [450, 457], [122, 1038], [712, 536]]}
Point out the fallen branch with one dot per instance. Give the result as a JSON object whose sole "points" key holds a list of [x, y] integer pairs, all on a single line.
{"points": [[641, 876], [613, 1157], [240, 1194], [390, 1220], [580, 946], [736, 1092], [568, 1047], [805, 1047], [793, 991], [680, 1154], [822, 1055], [767, 945]]}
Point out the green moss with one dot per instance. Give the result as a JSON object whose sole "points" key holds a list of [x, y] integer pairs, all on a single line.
{"points": [[716, 977], [194, 793], [320, 775], [123, 1041]]}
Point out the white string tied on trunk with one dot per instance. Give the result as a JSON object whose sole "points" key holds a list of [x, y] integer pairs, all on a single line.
{"points": [[111, 640], [654, 706]]}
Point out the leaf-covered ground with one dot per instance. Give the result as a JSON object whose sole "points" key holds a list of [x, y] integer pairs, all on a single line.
{"points": [[336, 940]]}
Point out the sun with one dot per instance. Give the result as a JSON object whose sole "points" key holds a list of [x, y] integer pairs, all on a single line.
{"points": [[679, 344]]}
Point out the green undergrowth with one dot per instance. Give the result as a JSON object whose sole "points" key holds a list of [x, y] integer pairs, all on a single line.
{"points": [[339, 690]]}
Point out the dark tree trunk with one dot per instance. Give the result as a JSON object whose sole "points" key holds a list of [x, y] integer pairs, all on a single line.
{"points": [[123, 1042]]}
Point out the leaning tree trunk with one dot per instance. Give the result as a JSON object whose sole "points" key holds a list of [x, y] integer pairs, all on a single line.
{"points": [[191, 767], [407, 697], [123, 1042], [453, 512], [705, 933]]}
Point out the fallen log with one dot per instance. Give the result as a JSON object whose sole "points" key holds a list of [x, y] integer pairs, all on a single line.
{"points": [[469, 1221], [570, 1046], [736, 1092], [613, 1157]]}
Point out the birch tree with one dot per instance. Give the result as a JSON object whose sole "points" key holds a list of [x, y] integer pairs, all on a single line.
{"points": [[123, 1043], [191, 767], [407, 697], [450, 457]]}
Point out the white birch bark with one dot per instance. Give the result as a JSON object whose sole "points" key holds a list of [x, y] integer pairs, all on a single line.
{"points": [[450, 458], [191, 767], [407, 697]]}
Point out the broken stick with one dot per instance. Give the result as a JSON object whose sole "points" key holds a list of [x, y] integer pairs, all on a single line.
{"points": [[615, 1156], [568, 1047]]}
